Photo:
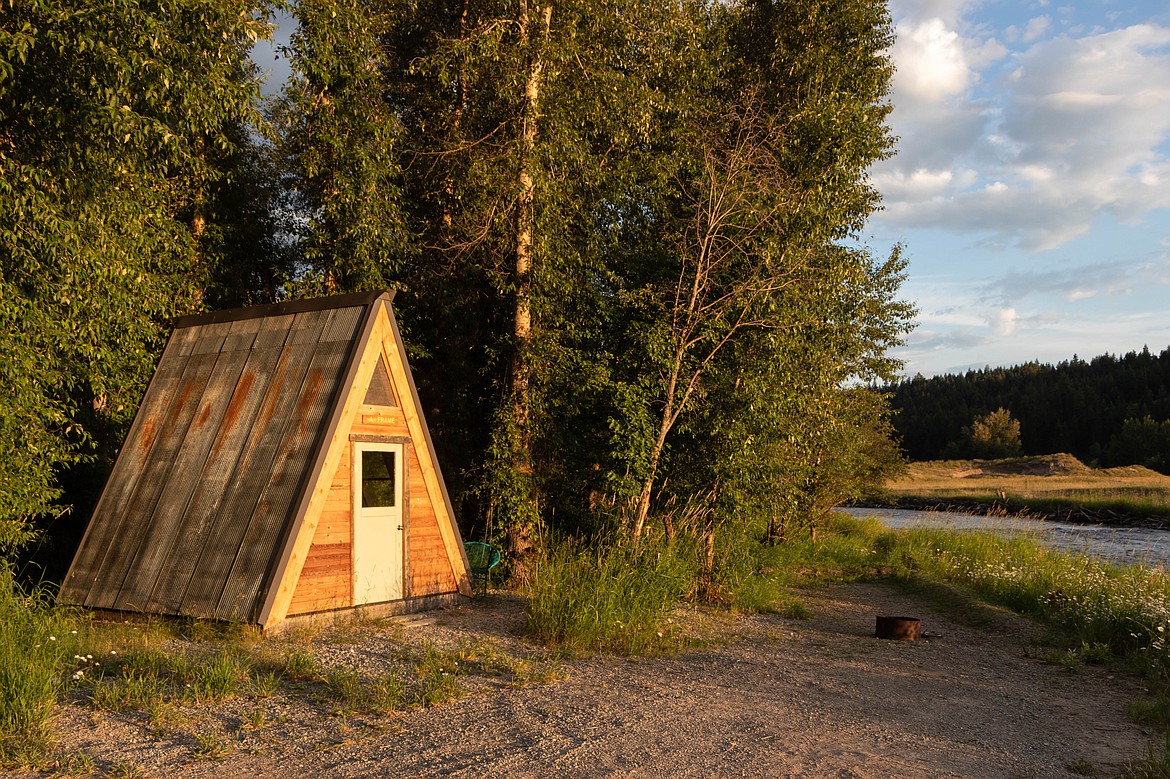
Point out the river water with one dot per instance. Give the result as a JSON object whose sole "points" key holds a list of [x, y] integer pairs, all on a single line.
{"points": [[1118, 544]]}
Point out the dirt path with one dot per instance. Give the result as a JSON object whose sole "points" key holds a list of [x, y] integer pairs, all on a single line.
{"points": [[813, 698]]}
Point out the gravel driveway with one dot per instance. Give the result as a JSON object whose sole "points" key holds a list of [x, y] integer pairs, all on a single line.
{"points": [[777, 698]]}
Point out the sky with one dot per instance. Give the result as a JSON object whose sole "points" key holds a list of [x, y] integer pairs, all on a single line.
{"points": [[1031, 185]]}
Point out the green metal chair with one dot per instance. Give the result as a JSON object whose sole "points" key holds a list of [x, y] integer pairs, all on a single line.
{"points": [[481, 558]]}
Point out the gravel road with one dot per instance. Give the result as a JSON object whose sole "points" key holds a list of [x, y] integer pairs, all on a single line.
{"points": [[775, 698]]}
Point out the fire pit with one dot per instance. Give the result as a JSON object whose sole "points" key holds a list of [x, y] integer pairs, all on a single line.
{"points": [[899, 628]]}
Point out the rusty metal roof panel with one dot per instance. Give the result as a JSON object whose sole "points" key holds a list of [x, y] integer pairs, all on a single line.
{"points": [[262, 372], [263, 539], [164, 435], [168, 519], [264, 489], [203, 491], [129, 467]]}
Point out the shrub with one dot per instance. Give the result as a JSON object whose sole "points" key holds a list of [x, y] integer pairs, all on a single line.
{"points": [[610, 597]]}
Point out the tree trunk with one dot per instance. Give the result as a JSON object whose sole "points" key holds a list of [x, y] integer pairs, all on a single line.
{"points": [[526, 229], [664, 426], [707, 590], [523, 535]]}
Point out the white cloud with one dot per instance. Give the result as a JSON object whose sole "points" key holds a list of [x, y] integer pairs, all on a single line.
{"points": [[1073, 129], [1033, 30], [1005, 321], [1079, 282], [916, 186], [950, 11], [931, 62]]}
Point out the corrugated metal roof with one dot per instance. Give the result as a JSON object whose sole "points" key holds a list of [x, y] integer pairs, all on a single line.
{"points": [[201, 497]]}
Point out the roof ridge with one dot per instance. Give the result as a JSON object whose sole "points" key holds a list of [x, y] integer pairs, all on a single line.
{"points": [[284, 307]]}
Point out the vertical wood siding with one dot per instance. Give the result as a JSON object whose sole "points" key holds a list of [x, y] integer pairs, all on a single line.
{"points": [[327, 578]]}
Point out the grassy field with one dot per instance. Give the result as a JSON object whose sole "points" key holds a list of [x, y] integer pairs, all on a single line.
{"points": [[1043, 483]]}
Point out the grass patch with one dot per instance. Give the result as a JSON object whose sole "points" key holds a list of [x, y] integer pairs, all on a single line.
{"points": [[345, 687], [609, 597], [35, 643], [300, 666], [146, 679], [487, 658], [438, 678], [1103, 609], [1155, 765], [386, 694], [211, 745]]}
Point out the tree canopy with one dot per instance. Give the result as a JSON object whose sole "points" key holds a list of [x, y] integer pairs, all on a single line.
{"points": [[1096, 410], [625, 235]]}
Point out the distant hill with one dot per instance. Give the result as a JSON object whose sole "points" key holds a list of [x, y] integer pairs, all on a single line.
{"points": [[1107, 411]]}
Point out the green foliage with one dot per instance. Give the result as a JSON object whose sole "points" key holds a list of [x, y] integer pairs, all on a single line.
{"points": [[112, 122], [1142, 442], [990, 437], [338, 140], [501, 165], [1075, 406], [610, 597], [34, 642]]}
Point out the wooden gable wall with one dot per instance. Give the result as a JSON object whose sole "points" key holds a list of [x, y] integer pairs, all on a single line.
{"points": [[387, 411]]}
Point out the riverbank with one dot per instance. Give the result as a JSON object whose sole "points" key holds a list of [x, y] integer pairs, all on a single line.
{"points": [[1010, 507], [1055, 487]]}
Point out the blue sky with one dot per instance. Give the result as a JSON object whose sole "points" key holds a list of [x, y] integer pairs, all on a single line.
{"points": [[1031, 189]]}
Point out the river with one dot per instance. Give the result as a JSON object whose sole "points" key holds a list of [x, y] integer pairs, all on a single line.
{"points": [[1126, 545]]}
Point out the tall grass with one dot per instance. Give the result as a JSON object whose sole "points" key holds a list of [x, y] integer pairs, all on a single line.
{"points": [[1125, 608], [610, 597], [34, 641]]}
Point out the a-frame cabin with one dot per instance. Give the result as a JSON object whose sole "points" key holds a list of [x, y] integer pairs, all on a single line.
{"points": [[279, 467]]}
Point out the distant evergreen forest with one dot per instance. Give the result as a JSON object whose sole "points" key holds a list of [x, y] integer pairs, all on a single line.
{"points": [[1107, 411]]}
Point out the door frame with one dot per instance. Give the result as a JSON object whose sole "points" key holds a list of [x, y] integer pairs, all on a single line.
{"points": [[400, 446]]}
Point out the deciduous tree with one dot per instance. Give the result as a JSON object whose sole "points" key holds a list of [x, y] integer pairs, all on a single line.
{"points": [[112, 120]]}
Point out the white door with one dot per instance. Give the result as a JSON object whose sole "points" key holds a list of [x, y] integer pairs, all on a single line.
{"points": [[377, 522]]}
